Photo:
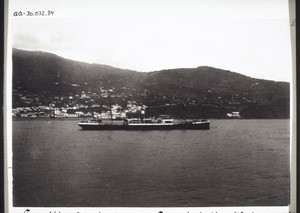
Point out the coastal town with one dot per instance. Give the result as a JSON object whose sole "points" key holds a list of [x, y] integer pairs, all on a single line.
{"points": [[83, 104]]}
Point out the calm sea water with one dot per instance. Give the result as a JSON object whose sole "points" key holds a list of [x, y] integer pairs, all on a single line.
{"points": [[235, 163]]}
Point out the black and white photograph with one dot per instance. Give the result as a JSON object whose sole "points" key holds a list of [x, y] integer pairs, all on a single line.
{"points": [[146, 104]]}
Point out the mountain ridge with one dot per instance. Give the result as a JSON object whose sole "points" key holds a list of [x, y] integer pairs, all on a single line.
{"points": [[162, 70], [195, 88]]}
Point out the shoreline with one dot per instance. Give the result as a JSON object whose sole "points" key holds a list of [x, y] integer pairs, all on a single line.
{"points": [[86, 118]]}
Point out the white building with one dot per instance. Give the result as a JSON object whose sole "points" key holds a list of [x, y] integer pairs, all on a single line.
{"points": [[234, 115]]}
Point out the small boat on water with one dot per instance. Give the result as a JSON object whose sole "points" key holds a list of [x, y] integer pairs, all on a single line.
{"points": [[162, 123]]}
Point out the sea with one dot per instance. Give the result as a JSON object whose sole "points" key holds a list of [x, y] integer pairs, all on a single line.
{"points": [[235, 163]]}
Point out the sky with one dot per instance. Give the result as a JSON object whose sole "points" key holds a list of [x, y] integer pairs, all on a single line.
{"points": [[250, 37]]}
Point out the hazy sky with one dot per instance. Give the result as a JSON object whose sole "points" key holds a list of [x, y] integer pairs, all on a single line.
{"points": [[245, 36]]}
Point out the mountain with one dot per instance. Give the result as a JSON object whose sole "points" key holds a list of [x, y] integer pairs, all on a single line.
{"points": [[36, 71], [194, 92]]}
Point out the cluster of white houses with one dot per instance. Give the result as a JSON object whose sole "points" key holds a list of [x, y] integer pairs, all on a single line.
{"points": [[234, 115], [114, 111]]}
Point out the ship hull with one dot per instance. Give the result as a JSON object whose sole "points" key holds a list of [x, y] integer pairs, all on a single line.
{"points": [[201, 126]]}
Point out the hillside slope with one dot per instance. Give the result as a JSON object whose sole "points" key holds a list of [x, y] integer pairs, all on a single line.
{"points": [[195, 92]]}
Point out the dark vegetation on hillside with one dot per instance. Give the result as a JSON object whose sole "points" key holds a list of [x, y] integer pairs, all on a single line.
{"points": [[204, 92]]}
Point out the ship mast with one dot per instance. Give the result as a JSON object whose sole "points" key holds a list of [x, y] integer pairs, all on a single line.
{"points": [[110, 111], [109, 102]]}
